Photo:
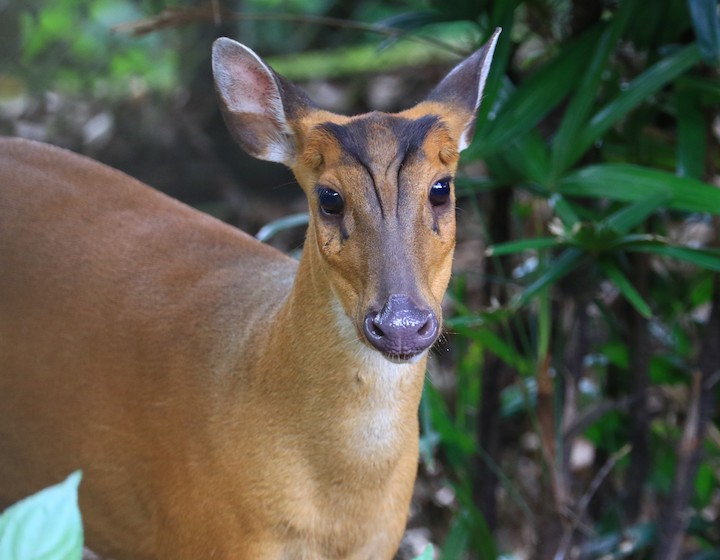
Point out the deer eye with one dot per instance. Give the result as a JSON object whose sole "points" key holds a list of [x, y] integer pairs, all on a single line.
{"points": [[331, 202], [440, 192]]}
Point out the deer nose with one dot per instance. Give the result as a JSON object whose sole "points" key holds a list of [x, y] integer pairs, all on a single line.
{"points": [[401, 329]]}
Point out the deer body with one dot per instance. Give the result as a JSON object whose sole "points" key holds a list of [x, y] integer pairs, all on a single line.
{"points": [[222, 400]]}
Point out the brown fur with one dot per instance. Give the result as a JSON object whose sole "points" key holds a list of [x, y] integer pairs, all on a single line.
{"points": [[220, 399]]}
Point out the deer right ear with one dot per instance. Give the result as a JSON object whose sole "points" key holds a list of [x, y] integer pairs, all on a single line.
{"points": [[463, 87], [256, 102]]}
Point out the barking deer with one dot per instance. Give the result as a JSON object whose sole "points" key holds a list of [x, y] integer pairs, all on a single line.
{"points": [[222, 400]]}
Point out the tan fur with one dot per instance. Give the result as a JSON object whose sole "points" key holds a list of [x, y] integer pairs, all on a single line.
{"points": [[220, 398]]}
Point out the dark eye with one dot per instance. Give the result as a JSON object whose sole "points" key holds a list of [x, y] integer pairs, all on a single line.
{"points": [[331, 202], [440, 192]]}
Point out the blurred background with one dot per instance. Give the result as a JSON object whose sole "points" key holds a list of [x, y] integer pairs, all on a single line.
{"points": [[571, 409]]}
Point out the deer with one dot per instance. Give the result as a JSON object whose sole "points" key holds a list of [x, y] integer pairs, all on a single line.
{"points": [[223, 400]]}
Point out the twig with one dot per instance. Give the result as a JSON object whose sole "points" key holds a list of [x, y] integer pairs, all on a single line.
{"points": [[177, 17], [584, 502], [675, 514]]}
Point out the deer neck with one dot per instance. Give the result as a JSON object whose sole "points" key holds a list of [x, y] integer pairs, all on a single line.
{"points": [[363, 404]]}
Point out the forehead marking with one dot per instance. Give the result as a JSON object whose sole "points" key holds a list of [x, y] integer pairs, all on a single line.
{"points": [[354, 137]]}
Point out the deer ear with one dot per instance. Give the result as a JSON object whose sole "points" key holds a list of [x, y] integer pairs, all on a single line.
{"points": [[461, 90], [257, 104]]}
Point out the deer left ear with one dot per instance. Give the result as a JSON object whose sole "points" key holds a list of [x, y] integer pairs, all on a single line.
{"points": [[461, 90]]}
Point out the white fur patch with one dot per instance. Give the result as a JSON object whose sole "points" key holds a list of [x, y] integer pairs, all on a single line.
{"points": [[383, 382]]}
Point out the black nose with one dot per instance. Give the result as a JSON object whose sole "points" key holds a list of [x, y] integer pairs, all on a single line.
{"points": [[401, 329]]}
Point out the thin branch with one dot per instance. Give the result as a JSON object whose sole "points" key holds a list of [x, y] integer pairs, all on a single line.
{"points": [[178, 17], [584, 502], [676, 512]]}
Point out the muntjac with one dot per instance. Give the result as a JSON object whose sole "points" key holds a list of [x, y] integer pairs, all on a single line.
{"points": [[222, 400]]}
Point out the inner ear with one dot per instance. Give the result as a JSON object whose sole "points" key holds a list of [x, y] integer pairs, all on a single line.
{"points": [[256, 102]]}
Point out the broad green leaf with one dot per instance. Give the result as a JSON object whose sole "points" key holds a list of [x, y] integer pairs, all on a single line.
{"points": [[511, 247], [706, 21], [469, 528], [528, 158], [632, 183], [457, 443], [635, 214], [456, 543], [705, 258], [497, 345], [622, 283], [489, 317], [481, 538], [581, 104], [531, 155], [705, 484], [691, 132], [560, 267], [633, 95], [44, 526]]}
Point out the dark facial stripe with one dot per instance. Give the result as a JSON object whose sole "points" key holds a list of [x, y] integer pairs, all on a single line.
{"points": [[409, 136]]}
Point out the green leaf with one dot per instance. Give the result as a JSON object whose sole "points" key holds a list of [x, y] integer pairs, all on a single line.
{"points": [[705, 484], [575, 118], [456, 442], [497, 345], [45, 526], [635, 214], [511, 247], [626, 288], [564, 264], [705, 258], [456, 542], [527, 105], [529, 156], [691, 132], [706, 21], [633, 95], [632, 183]]}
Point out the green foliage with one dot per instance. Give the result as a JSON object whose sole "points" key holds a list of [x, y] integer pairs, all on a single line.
{"points": [[71, 45], [568, 129], [44, 526]]}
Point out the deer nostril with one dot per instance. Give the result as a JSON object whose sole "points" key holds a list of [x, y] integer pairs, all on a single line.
{"points": [[429, 327], [401, 328]]}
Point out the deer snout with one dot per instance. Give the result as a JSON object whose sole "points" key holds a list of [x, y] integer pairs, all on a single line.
{"points": [[401, 329]]}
